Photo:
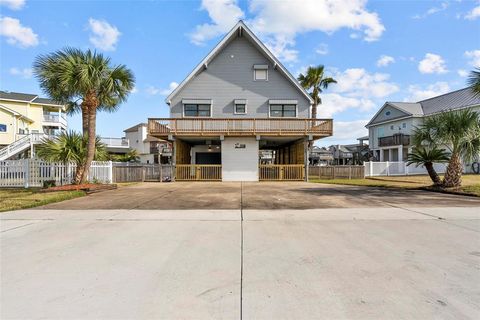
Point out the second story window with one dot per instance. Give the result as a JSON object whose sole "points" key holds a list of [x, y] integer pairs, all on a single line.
{"points": [[240, 106], [197, 110], [283, 110], [260, 72], [3, 127]]}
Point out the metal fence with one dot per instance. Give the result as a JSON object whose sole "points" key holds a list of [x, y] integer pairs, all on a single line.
{"points": [[34, 172]]}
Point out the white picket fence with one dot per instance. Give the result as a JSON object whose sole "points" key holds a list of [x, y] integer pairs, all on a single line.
{"points": [[400, 168], [33, 173]]}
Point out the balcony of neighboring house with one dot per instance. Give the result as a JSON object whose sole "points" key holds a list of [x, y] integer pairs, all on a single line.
{"points": [[398, 139], [164, 127], [116, 145], [54, 117]]}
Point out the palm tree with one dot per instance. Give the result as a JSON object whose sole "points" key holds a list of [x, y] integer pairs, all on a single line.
{"points": [[315, 81], [458, 132], [427, 156], [70, 147], [474, 81], [130, 156], [85, 81]]}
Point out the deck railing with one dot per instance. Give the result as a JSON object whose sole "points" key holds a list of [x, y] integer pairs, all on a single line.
{"points": [[395, 140], [245, 126], [198, 172], [273, 172]]}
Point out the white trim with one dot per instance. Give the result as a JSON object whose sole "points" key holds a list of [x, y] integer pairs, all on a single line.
{"points": [[380, 110], [242, 27], [15, 100], [48, 104], [239, 101], [391, 120]]}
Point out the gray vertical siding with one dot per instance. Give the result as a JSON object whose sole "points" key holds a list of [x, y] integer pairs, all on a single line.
{"points": [[229, 76]]}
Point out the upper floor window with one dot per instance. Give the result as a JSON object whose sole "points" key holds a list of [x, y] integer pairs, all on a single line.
{"points": [[283, 110], [197, 110], [404, 125], [240, 106], [3, 127], [380, 132], [260, 72], [387, 113]]}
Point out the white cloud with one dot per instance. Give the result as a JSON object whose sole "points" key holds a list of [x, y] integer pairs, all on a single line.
{"points": [[346, 132], [474, 57], [432, 63], [357, 82], [278, 23], [104, 36], [322, 49], [151, 90], [443, 6], [134, 90], [13, 4], [418, 93], [384, 61], [25, 73], [223, 13], [333, 103], [462, 73], [17, 34], [473, 14]]}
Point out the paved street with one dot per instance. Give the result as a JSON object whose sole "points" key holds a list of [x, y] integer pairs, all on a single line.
{"points": [[403, 262]]}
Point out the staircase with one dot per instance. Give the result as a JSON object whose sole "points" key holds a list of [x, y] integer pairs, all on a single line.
{"points": [[21, 145]]}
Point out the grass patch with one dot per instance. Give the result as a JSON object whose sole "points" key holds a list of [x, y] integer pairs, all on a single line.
{"points": [[14, 199], [470, 183]]}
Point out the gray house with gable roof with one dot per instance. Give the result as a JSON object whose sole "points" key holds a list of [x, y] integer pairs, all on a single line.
{"points": [[391, 127]]}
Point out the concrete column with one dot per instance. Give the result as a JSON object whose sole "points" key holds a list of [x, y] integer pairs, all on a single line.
{"points": [[381, 156], [400, 153], [390, 154]]}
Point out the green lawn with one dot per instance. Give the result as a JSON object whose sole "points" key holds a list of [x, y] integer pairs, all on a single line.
{"points": [[14, 199], [470, 183]]}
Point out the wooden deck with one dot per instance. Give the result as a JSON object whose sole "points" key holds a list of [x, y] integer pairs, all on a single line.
{"points": [[162, 127]]}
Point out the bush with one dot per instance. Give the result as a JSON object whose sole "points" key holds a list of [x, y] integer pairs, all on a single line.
{"points": [[49, 184]]}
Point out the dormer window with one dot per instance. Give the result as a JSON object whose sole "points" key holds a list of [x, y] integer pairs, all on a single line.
{"points": [[260, 72], [240, 106]]}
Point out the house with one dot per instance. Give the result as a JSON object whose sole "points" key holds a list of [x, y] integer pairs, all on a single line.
{"points": [[150, 149], [391, 127], [320, 156], [24, 120], [238, 101]]}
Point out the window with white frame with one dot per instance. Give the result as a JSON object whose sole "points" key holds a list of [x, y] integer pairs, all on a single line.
{"points": [[380, 132], [3, 127], [404, 125], [260, 72], [239, 106], [283, 110]]}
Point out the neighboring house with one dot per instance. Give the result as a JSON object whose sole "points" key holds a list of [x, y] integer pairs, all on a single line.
{"points": [[239, 100], [150, 149], [391, 127], [24, 120], [320, 156]]}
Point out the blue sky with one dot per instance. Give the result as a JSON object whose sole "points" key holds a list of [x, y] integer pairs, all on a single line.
{"points": [[377, 50]]}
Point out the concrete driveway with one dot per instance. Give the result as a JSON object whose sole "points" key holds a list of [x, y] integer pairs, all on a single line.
{"points": [[350, 263], [243, 251], [264, 195]]}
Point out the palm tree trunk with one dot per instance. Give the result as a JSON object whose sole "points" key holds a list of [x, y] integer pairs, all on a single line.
{"points": [[433, 174], [92, 136], [84, 107], [453, 175], [79, 173], [314, 116]]}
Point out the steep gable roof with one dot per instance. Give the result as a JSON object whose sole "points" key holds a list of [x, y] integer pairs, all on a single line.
{"points": [[240, 29], [135, 127], [407, 108]]}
